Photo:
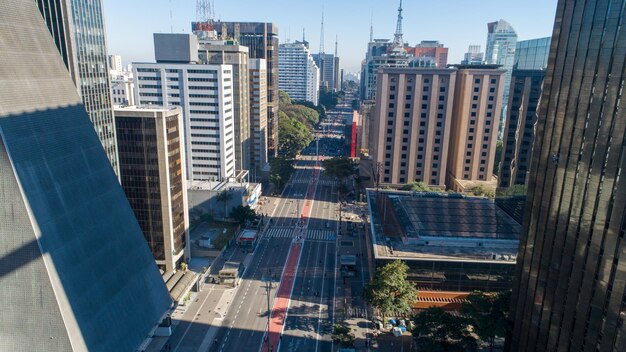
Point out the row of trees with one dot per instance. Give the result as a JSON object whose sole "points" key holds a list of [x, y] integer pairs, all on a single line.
{"points": [[295, 126], [482, 315], [280, 171]]}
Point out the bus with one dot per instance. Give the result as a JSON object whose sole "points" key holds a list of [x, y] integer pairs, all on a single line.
{"points": [[231, 274]]}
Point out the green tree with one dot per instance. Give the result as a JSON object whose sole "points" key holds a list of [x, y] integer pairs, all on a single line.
{"points": [[328, 99], [417, 186], [342, 335], [280, 171], [339, 167], [293, 135], [488, 314], [243, 214], [224, 197], [439, 331], [390, 291]]}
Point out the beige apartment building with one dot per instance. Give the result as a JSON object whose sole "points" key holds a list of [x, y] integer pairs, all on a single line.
{"points": [[258, 116], [411, 125], [475, 118], [437, 126]]}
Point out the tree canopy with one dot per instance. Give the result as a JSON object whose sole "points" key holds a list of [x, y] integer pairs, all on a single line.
{"points": [[243, 214], [293, 136], [390, 291], [280, 171], [487, 313], [339, 167], [343, 335], [295, 126], [418, 186], [438, 330]]}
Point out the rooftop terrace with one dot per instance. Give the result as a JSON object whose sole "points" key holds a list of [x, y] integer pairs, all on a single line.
{"points": [[441, 226]]}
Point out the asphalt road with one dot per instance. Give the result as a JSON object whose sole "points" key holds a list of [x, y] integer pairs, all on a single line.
{"points": [[243, 328], [308, 324]]}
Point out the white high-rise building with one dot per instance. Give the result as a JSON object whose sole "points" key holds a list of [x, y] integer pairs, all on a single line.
{"points": [[205, 94], [115, 65], [473, 56], [298, 75], [123, 90]]}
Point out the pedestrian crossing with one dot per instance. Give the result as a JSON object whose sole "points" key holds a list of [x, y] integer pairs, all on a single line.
{"points": [[279, 232], [321, 181], [288, 232], [357, 312], [321, 235]]}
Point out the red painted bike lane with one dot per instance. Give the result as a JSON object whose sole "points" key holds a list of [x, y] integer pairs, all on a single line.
{"points": [[283, 296]]}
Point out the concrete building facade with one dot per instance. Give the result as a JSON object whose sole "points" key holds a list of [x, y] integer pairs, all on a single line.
{"points": [[329, 68], [411, 125], [152, 173], [205, 94], [77, 28], [428, 53], [379, 54], [115, 65], [475, 119], [75, 271], [228, 52], [299, 76], [473, 56], [123, 90], [258, 116], [261, 39], [571, 277]]}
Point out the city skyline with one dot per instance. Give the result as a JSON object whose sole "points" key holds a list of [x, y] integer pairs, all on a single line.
{"points": [[130, 36]]}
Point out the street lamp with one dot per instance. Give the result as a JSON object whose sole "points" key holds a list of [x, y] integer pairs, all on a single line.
{"points": [[269, 312]]}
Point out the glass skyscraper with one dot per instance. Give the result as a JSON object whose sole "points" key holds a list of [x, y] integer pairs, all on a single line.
{"points": [[77, 27], [500, 50], [532, 54], [570, 292]]}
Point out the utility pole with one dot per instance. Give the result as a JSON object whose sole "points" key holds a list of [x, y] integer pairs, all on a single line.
{"points": [[269, 312]]}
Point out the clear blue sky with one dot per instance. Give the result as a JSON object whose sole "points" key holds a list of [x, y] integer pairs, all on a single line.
{"points": [[455, 23]]}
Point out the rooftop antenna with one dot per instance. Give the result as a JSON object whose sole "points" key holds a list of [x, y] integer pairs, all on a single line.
{"points": [[303, 36], [397, 38], [204, 11], [322, 33], [171, 21], [336, 38], [372, 26]]}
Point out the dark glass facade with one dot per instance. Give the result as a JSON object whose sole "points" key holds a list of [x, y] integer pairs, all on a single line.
{"points": [[570, 291], [77, 27], [177, 203], [144, 146], [519, 130]]}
